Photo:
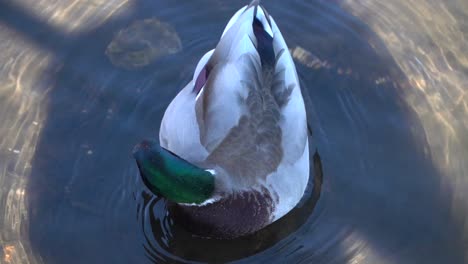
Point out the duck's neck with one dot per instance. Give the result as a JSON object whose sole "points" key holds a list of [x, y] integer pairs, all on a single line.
{"points": [[172, 177]]}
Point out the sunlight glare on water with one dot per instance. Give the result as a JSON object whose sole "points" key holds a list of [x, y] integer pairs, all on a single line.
{"points": [[428, 40]]}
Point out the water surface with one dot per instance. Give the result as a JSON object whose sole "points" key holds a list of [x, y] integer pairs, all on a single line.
{"points": [[385, 86]]}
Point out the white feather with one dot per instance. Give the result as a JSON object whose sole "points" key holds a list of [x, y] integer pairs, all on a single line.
{"points": [[285, 61], [262, 18], [223, 112], [234, 19], [179, 128], [201, 63], [289, 183]]}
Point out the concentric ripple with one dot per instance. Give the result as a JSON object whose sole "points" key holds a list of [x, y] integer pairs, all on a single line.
{"points": [[385, 85]]}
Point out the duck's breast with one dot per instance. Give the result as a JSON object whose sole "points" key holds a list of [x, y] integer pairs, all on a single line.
{"points": [[232, 216]]}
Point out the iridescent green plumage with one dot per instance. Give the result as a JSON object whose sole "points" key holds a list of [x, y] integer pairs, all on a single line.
{"points": [[172, 177]]}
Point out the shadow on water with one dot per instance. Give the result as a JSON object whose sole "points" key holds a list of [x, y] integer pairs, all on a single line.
{"points": [[381, 197]]}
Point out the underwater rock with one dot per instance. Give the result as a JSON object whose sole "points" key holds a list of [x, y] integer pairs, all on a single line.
{"points": [[142, 43]]}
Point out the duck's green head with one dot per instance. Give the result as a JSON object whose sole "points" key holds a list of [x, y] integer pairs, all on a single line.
{"points": [[172, 177]]}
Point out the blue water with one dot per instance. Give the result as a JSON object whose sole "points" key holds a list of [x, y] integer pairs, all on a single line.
{"points": [[385, 94]]}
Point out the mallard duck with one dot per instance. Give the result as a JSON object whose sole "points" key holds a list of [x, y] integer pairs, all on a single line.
{"points": [[233, 145]]}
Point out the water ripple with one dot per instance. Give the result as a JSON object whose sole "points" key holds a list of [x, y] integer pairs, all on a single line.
{"points": [[385, 89]]}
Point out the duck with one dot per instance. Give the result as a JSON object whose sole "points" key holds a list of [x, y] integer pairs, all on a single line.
{"points": [[233, 150]]}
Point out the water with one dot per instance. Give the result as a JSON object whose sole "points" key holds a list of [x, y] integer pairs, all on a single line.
{"points": [[385, 85]]}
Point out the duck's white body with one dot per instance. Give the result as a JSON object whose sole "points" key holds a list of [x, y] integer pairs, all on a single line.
{"points": [[246, 120]]}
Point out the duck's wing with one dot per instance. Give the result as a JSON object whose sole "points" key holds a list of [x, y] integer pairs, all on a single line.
{"points": [[179, 131], [200, 116], [250, 113]]}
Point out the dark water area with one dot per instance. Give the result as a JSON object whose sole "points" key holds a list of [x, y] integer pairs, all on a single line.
{"points": [[385, 90]]}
